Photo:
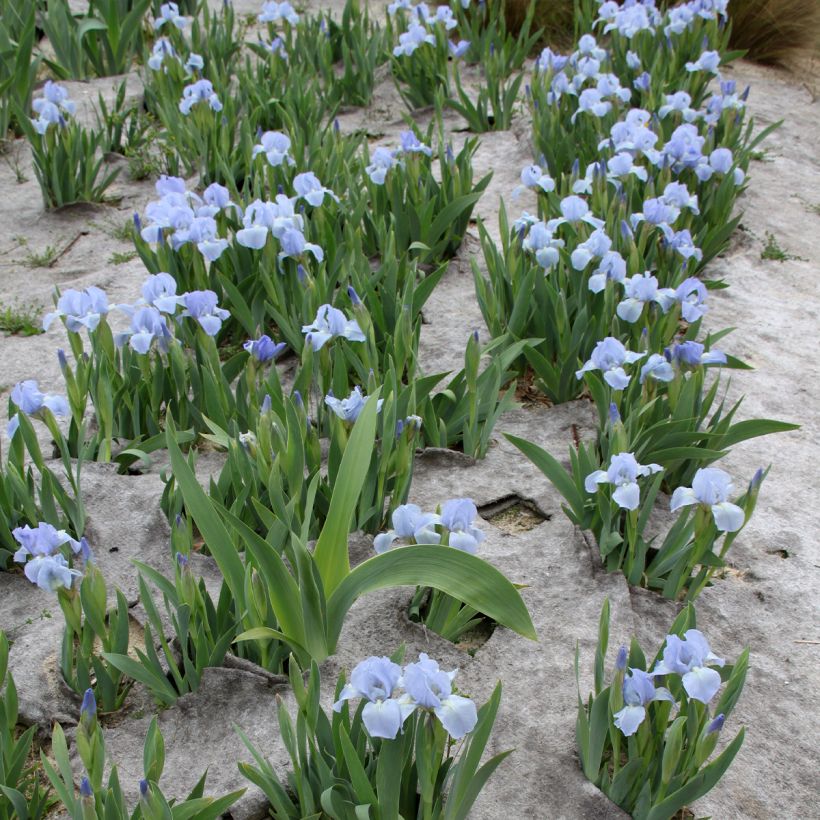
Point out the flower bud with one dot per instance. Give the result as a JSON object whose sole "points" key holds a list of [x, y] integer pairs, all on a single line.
{"points": [[88, 710], [620, 661]]}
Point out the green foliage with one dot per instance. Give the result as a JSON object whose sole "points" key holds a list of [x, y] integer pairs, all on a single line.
{"points": [[301, 598], [105, 799], [68, 163], [19, 64], [103, 42], [339, 771], [22, 795], [90, 623], [31, 492], [773, 251], [202, 633], [687, 556], [665, 766], [21, 319]]}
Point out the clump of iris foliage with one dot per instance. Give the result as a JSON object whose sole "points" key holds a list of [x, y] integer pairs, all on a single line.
{"points": [[288, 262], [648, 747]]}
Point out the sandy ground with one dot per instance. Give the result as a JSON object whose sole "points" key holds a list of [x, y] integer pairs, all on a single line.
{"points": [[768, 599]]}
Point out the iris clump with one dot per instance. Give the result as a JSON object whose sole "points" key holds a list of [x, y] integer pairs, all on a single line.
{"points": [[658, 740], [407, 721], [67, 158]]}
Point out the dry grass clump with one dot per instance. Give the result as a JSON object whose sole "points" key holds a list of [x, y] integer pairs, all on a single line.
{"points": [[770, 31], [775, 31]]}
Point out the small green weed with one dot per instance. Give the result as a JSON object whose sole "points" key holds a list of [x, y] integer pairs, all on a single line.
{"points": [[772, 250], [20, 320], [120, 258], [761, 156], [43, 259]]}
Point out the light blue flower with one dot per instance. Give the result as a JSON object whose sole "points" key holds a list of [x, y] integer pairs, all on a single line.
{"points": [[169, 13], [611, 267], [349, 409], [411, 144], [200, 91], [273, 12], [532, 176], [681, 242], [541, 242], [409, 522], [708, 61], [681, 103], [162, 49], [609, 356], [691, 658], [376, 679], [380, 163], [656, 212], [329, 323], [410, 40], [294, 245], [44, 539], [147, 324], [429, 687], [691, 293], [575, 210], [218, 198], [31, 401], [711, 487], [622, 474], [80, 309], [638, 691], [657, 367], [201, 305], [311, 190], [591, 101], [50, 572], [548, 60], [263, 349], [641, 290], [458, 515], [693, 354], [459, 49], [52, 107], [596, 246], [276, 147], [160, 291], [623, 164], [194, 63], [275, 46], [685, 147]]}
